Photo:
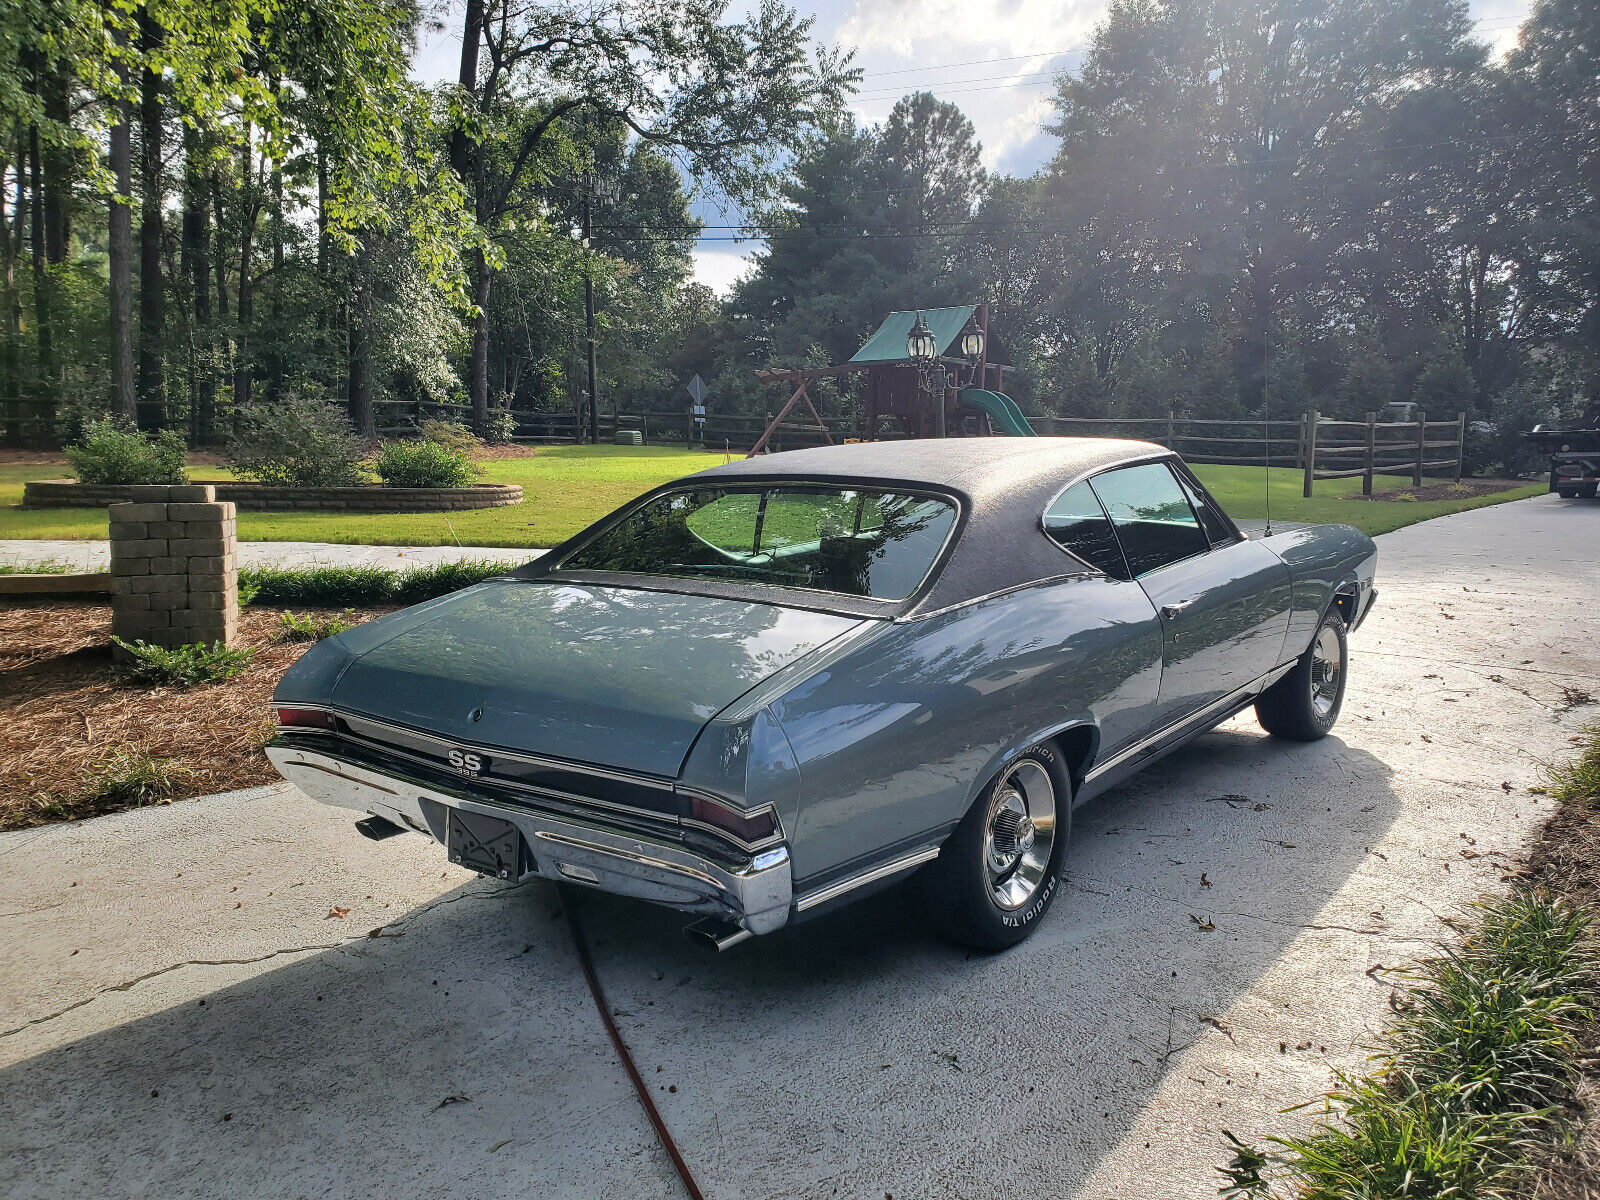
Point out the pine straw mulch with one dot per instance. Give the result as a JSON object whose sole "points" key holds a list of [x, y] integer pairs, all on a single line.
{"points": [[1448, 491], [72, 722]]}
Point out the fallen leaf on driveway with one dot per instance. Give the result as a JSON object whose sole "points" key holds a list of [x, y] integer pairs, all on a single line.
{"points": [[449, 1100], [336, 911], [1202, 922], [1471, 854], [1204, 882], [1219, 1025]]}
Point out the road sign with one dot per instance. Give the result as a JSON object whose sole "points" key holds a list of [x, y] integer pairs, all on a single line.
{"points": [[698, 389]]}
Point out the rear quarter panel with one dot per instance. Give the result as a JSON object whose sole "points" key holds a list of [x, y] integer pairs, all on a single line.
{"points": [[1321, 559], [894, 740]]}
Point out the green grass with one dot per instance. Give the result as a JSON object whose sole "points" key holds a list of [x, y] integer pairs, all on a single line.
{"points": [[49, 566], [1578, 782], [1469, 1083], [567, 487]]}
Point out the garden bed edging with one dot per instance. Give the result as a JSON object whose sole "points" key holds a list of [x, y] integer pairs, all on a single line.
{"points": [[268, 497]]}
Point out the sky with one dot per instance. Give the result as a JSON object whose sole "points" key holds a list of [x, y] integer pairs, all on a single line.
{"points": [[994, 58]]}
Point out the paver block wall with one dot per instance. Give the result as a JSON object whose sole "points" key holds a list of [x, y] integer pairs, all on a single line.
{"points": [[174, 566]]}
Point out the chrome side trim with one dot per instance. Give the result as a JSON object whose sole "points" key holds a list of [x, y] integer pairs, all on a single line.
{"points": [[1234, 699], [1069, 577], [839, 887]]}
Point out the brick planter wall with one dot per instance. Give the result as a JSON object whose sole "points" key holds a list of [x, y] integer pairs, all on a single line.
{"points": [[264, 497], [174, 566]]}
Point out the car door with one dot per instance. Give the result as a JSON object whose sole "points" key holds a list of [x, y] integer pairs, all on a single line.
{"points": [[1223, 601]]}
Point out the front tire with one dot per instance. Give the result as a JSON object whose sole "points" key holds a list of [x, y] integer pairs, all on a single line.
{"points": [[1305, 703], [1000, 870]]}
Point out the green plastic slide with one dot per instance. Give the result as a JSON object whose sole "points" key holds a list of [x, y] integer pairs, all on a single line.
{"points": [[1002, 410]]}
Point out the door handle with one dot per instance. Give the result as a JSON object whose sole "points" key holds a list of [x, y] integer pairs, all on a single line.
{"points": [[1170, 612]]}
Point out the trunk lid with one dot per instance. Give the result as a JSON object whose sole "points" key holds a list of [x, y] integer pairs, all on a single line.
{"points": [[617, 677]]}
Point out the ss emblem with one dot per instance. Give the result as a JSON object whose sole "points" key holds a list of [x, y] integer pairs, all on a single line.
{"points": [[466, 762]]}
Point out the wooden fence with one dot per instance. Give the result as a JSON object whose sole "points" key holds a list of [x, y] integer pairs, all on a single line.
{"points": [[1318, 447], [1346, 449]]}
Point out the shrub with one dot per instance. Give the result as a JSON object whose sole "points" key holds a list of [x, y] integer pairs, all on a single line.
{"points": [[307, 627], [112, 454], [451, 434], [315, 585], [502, 426], [183, 666], [362, 585], [299, 441], [423, 464], [424, 583]]}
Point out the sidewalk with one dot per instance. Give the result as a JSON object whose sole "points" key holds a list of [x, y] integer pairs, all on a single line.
{"points": [[94, 556]]}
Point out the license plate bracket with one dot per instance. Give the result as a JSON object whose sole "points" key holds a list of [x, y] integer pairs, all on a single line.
{"points": [[489, 845]]}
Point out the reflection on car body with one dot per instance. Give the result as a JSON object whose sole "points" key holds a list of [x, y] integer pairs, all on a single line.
{"points": [[783, 683]]}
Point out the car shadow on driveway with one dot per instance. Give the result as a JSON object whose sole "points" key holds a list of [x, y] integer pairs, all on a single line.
{"points": [[856, 1054]]}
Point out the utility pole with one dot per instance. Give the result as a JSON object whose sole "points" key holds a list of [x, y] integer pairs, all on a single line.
{"points": [[588, 312]]}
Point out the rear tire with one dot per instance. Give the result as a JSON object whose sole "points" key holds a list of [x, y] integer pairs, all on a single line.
{"points": [[1305, 703], [1000, 870]]}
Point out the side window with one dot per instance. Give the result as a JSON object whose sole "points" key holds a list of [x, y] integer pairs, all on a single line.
{"points": [[1152, 517], [1212, 521], [1077, 523]]}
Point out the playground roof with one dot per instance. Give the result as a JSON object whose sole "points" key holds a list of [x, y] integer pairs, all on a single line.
{"points": [[888, 344]]}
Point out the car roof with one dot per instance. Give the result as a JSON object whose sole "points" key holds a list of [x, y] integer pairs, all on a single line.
{"points": [[984, 470], [1004, 485]]}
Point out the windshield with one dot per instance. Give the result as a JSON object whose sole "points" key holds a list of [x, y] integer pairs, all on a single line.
{"points": [[856, 543]]}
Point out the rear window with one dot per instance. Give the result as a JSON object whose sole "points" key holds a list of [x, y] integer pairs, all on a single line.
{"points": [[879, 545]]}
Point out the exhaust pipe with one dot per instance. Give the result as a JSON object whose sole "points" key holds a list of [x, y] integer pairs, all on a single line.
{"points": [[716, 933]]}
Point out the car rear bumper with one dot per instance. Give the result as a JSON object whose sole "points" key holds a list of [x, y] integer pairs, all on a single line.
{"points": [[756, 893]]}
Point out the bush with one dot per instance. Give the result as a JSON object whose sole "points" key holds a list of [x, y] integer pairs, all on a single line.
{"points": [[305, 627], [183, 666], [423, 464], [130, 778], [112, 454], [330, 586], [300, 441], [502, 426], [450, 434]]}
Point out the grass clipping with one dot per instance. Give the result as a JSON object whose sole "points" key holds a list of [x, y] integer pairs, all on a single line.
{"points": [[1476, 1078]]}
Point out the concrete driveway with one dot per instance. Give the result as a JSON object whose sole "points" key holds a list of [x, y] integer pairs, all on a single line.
{"points": [[180, 1015]]}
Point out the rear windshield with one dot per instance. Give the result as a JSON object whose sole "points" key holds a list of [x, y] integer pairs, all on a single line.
{"points": [[856, 543]]}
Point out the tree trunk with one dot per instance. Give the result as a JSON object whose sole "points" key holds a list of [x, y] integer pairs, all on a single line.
{"points": [[197, 252], [482, 279], [359, 363], [245, 309], [41, 271], [120, 246], [11, 360], [152, 289], [57, 170], [275, 366]]}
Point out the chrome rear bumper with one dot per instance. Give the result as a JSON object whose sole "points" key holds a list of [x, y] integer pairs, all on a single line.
{"points": [[756, 893]]}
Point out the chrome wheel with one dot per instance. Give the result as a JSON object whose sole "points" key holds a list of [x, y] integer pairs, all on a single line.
{"points": [[1020, 833], [1325, 672]]}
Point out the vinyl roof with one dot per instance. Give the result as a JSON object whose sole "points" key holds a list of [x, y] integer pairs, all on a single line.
{"points": [[1004, 483], [888, 344]]}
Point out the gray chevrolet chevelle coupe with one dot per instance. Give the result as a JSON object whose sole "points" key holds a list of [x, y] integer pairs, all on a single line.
{"points": [[772, 687]]}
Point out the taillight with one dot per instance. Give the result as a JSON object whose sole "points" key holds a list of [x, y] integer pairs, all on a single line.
{"points": [[290, 717], [750, 828]]}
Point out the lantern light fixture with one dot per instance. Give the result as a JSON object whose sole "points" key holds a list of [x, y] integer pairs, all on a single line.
{"points": [[972, 341], [921, 346]]}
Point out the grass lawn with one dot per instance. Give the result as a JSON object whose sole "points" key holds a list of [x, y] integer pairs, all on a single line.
{"points": [[566, 487]]}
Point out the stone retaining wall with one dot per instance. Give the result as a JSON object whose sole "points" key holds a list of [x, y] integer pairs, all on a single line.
{"points": [[174, 566], [265, 497]]}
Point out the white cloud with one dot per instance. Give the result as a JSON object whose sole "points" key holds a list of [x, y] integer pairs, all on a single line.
{"points": [[720, 269]]}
